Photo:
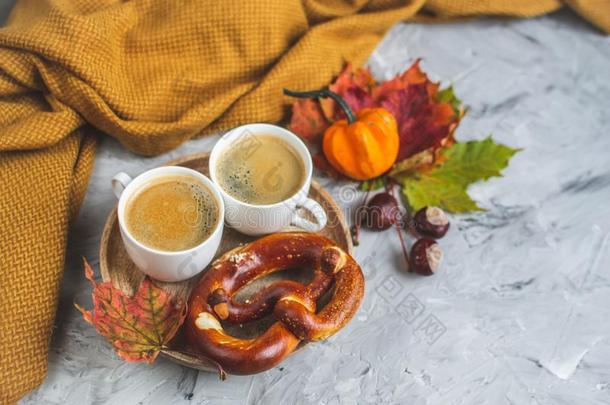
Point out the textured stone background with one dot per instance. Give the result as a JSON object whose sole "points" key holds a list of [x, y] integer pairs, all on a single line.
{"points": [[519, 312]]}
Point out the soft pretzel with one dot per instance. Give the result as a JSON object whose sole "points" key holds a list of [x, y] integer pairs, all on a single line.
{"points": [[293, 304]]}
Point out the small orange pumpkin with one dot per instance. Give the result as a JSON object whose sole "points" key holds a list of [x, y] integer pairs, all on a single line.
{"points": [[363, 146]]}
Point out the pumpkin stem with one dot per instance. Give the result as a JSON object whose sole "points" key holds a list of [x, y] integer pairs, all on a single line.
{"points": [[324, 93]]}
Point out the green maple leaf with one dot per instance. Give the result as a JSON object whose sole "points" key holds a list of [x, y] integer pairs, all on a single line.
{"points": [[446, 185], [373, 184], [428, 190], [448, 96]]}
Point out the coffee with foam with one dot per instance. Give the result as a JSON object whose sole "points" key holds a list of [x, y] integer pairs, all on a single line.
{"points": [[172, 213], [268, 171]]}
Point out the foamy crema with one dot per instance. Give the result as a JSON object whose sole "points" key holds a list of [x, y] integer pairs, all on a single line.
{"points": [[170, 219], [172, 213]]}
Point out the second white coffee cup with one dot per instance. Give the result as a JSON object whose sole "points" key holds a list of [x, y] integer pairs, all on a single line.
{"points": [[257, 219]]}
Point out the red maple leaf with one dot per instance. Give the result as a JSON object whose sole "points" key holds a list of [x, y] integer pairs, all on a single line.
{"points": [[138, 327], [422, 122], [355, 88]]}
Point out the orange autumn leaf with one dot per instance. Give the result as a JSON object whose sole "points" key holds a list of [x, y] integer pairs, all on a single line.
{"points": [[412, 76], [138, 327], [307, 120], [355, 87]]}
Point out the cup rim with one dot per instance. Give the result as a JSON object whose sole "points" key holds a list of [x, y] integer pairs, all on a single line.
{"points": [[160, 171], [307, 161]]}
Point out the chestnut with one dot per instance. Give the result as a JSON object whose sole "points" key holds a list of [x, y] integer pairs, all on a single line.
{"points": [[431, 222], [381, 212], [426, 257]]}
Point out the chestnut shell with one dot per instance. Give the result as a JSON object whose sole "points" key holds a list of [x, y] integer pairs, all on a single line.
{"points": [[431, 222], [381, 212], [426, 256]]}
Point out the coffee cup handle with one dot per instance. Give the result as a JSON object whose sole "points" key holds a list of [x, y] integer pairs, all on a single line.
{"points": [[316, 210], [119, 183]]}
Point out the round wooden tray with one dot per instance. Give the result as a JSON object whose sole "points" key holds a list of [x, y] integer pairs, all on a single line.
{"points": [[116, 266]]}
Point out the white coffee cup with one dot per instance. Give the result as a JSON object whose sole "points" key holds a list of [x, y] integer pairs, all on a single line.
{"points": [[163, 265], [254, 219]]}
